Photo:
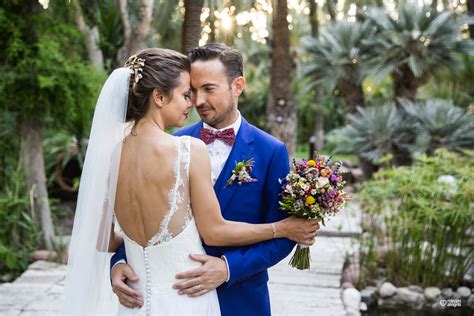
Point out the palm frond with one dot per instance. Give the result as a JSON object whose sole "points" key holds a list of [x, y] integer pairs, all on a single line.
{"points": [[371, 133], [338, 54], [439, 123], [417, 36]]}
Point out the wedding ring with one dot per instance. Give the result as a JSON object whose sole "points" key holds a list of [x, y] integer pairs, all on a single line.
{"points": [[199, 286]]}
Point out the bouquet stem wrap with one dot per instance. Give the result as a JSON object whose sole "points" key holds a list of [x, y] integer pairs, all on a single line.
{"points": [[301, 258]]}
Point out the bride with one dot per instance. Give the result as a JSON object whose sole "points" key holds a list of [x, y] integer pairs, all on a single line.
{"points": [[152, 191]]}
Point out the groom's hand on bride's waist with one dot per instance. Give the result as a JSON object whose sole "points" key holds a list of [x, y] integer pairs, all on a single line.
{"points": [[127, 296], [204, 279]]}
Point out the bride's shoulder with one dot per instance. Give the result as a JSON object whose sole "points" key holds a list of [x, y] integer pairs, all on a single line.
{"points": [[194, 143], [197, 148]]}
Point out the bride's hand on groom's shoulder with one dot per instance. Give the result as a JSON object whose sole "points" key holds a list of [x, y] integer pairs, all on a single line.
{"points": [[302, 231], [204, 279], [127, 296]]}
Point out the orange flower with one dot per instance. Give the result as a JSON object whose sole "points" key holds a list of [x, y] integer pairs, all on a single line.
{"points": [[325, 172], [311, 163], [310, 200]]}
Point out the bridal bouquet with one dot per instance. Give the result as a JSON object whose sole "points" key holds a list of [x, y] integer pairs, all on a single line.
{"points": [[313, 189]]}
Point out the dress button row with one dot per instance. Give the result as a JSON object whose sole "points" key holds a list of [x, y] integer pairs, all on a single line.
{"points": [[148, 290]]}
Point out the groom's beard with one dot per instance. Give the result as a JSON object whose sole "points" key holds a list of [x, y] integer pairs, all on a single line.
{"points": [[226, 116]]}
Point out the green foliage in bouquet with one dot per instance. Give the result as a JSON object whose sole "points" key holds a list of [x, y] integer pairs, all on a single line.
{"points": [[421, 220]]}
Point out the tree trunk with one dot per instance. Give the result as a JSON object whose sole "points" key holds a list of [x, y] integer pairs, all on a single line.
{"points": [[191, 25], [330, 5], [318, 128], [33, 165], [405, 87], [470, 12], [212, 21], [133, 38], [281, 109], [368, 168], [318, 131], [313, 18], [353, 96], [92, 36], [405, 84]]}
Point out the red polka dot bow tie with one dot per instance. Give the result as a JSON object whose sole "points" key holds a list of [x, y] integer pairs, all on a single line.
{"points": [[227, 136]]}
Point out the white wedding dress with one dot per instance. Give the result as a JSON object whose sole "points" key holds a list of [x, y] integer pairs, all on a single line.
{"points": [[167, 253]]}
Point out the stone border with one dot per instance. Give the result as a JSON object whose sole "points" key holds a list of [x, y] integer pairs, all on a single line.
{"points": [[389, 296]]}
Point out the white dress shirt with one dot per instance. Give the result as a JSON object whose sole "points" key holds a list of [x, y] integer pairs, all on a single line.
{"points": [[218, 150]]}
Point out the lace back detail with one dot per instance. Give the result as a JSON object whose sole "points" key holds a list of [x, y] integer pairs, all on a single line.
{"points": [[179, 213]]}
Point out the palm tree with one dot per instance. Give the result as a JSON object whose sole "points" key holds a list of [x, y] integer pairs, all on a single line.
{"points": [[372, 134], [337, 57], [438, 123], [379, 132], [191, 24], [281, 108], [415, 42]]}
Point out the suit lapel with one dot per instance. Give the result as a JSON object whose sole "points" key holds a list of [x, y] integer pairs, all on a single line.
{"points": [[242, 150], [196, 131]]}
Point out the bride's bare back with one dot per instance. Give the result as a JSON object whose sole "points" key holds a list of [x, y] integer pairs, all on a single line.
{"points": [[148, 172]]}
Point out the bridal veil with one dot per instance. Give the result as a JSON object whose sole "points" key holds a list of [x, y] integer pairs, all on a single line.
{"points": [[88, 289]]}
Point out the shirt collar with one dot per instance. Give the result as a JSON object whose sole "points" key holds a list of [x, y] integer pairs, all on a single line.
{"points": [[235, 125]]}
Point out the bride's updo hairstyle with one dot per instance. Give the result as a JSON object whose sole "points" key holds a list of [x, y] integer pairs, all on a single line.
{"points": [[152, 68]]}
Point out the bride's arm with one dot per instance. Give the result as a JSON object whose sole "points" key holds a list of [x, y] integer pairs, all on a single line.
{"points": [[213, 228], [107, 221], [115, 240]]}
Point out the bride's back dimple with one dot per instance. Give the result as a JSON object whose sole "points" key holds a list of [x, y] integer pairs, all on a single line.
{"points": [[152, 177]]}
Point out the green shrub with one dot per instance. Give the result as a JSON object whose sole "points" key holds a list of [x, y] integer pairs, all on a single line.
{"points": [[418, 226], [19, 235]]}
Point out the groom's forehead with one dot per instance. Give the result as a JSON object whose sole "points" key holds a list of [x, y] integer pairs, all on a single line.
{"points": [[208, 68], [209, 72]]}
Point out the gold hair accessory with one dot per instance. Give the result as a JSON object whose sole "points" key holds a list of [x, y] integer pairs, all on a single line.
{"points": [[136, 65]]}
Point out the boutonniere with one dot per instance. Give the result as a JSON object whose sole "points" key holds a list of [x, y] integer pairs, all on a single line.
{"points": [[241, 173]]}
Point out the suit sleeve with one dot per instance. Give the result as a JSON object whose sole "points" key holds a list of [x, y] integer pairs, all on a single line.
{"points": [[118, 255], [246, 261]]}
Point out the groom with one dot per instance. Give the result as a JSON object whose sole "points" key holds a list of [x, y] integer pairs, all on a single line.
{"points": [[239, 273]]}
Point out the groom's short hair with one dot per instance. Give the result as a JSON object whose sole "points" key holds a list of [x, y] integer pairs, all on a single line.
{"points": [[230, 58]]}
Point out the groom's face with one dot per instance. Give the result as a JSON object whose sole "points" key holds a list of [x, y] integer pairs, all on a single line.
{"points": [[213, 95]]}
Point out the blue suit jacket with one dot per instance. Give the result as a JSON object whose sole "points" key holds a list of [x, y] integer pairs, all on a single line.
{"points": [[246, 292]]}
